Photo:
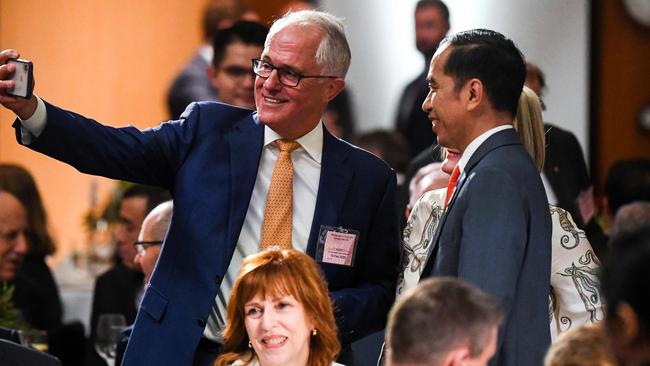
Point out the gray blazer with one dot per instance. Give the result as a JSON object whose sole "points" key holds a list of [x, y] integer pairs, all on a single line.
{"points": [[496, 234]]}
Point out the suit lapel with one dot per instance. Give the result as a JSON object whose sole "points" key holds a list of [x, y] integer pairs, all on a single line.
{"points": [[501, 138], [245, 142], [335, 177]]}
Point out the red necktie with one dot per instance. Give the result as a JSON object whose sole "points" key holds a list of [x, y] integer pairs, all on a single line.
{"points": [[451, 187]]}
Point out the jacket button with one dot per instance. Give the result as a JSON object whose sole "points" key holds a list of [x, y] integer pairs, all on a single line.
{"points": [[201, 323], [217, 280]]}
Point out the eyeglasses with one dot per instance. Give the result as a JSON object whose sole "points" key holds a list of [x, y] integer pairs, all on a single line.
{"points": [[141, 246], [286, 76]]}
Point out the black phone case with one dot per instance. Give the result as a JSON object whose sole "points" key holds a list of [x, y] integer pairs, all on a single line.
{"points": [[30, 78]]}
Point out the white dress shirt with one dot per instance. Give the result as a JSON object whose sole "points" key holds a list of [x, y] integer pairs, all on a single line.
{"points": [[306, 176], [474, 145]]}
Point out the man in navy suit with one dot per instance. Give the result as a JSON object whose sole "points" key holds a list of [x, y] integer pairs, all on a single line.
{"points": [[496, 231], [218, 160]]}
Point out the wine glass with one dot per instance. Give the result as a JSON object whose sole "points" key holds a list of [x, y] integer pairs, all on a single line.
{"points": [[33, 338], [109, 327]]}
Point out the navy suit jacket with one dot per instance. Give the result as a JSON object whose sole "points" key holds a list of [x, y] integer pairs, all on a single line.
{"points": [[209, 161], [496, 234]]}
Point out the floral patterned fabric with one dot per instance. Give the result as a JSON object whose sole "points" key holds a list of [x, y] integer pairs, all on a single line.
{"points": [[574, 297]]}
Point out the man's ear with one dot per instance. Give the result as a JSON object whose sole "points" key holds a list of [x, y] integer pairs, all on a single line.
{"points": [[474, 93], [457, 357], [334, 88]]}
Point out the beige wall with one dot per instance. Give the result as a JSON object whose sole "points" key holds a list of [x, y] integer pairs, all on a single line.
{"points": [[111, 60]]}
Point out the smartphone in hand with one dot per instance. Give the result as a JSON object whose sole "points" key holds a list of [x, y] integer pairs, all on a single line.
{"points": [[23, 78]]}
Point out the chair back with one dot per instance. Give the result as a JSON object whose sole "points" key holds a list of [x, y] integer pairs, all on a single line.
{"points": [[12, 354]]}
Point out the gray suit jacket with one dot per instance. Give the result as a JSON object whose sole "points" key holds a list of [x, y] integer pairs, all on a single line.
{"points": [[496, 234], [191, 85]]}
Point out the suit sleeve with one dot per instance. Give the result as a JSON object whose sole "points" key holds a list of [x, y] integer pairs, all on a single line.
{"points": [[150, 156], [494, 236], [363, 309]]}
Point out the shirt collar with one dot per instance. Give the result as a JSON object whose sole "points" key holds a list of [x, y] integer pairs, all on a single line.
{"points": [[311, 142], [473, 146]]}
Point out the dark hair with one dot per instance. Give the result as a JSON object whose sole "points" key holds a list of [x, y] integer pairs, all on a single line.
{"points": [[446, 313], [626, 276], [627, 181], [248, 33], [442, 6], [17, 181], [154, 195], [218, 11], [534, 70], [492, 58]]}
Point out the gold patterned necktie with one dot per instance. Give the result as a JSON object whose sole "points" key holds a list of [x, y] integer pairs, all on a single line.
{"points": [[278, 213]]}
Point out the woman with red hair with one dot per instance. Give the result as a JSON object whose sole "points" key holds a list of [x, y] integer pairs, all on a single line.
{"points": [[279, 313]]}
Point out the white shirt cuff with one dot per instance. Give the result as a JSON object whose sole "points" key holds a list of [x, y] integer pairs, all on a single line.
{"points": [[32, 127]]}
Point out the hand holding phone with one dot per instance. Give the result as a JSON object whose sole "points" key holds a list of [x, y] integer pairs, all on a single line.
{"points": [[23, 78]]}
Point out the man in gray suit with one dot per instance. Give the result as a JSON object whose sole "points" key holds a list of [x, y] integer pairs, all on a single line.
{"points": [[496, 231]]}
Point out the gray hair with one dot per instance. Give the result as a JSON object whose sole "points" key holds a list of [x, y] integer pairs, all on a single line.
{"points": [[333, 54]]}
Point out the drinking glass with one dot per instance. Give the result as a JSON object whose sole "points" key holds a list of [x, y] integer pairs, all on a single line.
{"points": [[33, 338], [109, 327]]}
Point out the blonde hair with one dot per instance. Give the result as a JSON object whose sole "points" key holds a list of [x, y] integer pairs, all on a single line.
{"points": [[281, 272], [584, 345], [530, 126]]}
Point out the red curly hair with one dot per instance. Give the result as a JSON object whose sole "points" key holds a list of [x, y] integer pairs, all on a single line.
{"points": [[279, 273]]}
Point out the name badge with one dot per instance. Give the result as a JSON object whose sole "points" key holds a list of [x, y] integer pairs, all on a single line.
{"points": [[337, 245]]}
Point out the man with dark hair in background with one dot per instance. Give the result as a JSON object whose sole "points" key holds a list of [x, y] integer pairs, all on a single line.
{"points": [[625, 282], [231, 73], [442, 322], [118, 290], [192, 83], [495, 231], [627, 181], [431, 26]]}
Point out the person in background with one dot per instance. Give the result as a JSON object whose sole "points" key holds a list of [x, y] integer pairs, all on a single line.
{"points": [[153, 232], [36, 292], [193, 83], [442, 322], [631, 217], [585, 345], [431, 26], [625, 280], [119, 290], [565, 175], [24, 243], [627, 181], [231, 73], [14, 231], [149, 243], [280, 313]]}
